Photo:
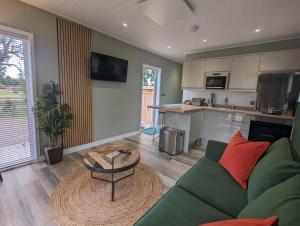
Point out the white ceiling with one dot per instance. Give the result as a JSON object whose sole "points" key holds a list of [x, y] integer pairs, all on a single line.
{"points": [[156, 24]]}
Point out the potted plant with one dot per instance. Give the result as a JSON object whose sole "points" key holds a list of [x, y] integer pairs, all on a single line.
{"points": [[53, 119]]}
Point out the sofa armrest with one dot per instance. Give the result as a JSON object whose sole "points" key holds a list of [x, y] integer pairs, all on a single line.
{"points": [[215, 149]]}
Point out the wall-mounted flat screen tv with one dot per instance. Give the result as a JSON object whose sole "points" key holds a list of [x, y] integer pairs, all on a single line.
{"points": [[108, 68]]}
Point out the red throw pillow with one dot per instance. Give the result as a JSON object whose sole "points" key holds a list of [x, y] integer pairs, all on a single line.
{"points": [[240, 157], [271, 221]]}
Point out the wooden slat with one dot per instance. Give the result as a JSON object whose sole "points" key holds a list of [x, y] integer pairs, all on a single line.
{"points": [[74, 49]]}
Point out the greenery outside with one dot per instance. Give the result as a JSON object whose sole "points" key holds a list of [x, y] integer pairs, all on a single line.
{"points": [[148, 77], [12, 78]]}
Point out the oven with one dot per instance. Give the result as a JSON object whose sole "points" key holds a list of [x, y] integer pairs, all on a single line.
{"points": [[265, 131], [216, 80]]}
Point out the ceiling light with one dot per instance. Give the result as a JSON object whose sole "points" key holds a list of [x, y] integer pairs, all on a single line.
{"points": [[204, 40], [169, 47], [257, 30], [125, 25]]}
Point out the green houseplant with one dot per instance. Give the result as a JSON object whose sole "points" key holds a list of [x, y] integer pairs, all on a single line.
{"points": [[53, 119]]}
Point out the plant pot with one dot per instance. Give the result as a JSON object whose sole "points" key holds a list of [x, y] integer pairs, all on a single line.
{"points": [[53, 154]]}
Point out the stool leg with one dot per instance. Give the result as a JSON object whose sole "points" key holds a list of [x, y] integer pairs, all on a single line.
{"points": [[155, 126], [163, 120], [1, 179]]}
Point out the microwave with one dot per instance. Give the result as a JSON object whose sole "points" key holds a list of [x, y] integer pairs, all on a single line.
{"points": [[216, 80]]}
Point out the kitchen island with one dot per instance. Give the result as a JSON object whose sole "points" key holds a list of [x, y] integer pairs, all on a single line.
{"points": [[203, 123]]}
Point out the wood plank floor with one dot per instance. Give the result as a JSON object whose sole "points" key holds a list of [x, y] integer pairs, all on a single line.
{"points": [[25, 191]]}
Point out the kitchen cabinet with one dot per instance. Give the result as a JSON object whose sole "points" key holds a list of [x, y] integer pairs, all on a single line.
{"points": [[216, 126], [218, 64], [244, 72], [281, 60], [193, 74], [239, 122], [221, 126]]}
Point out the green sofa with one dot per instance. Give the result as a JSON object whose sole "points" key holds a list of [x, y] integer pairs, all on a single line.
{"points": [[208, 193]]}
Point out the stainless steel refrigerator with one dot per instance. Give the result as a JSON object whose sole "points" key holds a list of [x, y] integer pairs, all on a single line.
{"points": [[278, 93]]}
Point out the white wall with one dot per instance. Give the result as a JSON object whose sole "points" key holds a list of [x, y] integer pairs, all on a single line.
{"points": [[235, 98]]}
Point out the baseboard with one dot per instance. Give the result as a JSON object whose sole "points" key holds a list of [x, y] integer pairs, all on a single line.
{"points": [[99, 142]]}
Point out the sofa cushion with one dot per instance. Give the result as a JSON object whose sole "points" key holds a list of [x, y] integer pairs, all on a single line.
{"points": [[210, 182], [282, 200], [215, 150], [275, 167], [281, 149], [178, 207], [270, 221], [240, 157]]}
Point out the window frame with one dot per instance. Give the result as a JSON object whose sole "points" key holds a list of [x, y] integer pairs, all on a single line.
{"points": [[25, 35]]}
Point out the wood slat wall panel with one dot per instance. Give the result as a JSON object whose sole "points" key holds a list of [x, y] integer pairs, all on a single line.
{"points": [[74, 49]]}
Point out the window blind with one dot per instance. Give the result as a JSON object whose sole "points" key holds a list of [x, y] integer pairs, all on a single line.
{"points": [[17, 123]]}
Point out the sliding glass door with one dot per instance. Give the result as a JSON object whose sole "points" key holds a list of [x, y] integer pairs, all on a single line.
{"points": [[17, 124]]}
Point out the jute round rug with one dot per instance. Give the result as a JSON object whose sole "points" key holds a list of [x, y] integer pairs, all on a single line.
{"points": [[81, 200]]}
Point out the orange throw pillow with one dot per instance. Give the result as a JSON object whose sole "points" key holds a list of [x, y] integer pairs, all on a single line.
{"points": [[240, 157], [271, 221]]}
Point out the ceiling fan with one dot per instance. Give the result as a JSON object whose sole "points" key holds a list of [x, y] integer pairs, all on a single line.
{"points": [[186, 2]]}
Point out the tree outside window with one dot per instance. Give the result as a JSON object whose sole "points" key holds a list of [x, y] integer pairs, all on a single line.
{"points": [[148, 77]]}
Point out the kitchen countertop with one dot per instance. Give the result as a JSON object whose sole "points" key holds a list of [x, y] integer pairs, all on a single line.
{"points": [[185, 108]]}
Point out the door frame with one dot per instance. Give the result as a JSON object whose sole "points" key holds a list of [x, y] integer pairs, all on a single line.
{"points": [[157, 89], [25, 35]]}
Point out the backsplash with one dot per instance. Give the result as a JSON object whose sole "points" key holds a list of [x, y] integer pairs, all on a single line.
{"points": [[234, 97]]}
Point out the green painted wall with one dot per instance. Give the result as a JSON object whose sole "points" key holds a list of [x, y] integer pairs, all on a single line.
{"points": [[116, 106], [296, 132], [43, 25], [263, 47]]}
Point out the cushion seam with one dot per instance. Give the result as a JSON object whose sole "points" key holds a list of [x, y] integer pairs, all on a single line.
{"points": [[206, 202]]}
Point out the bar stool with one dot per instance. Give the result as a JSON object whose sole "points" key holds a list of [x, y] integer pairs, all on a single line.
{"points": [[160, 123]]}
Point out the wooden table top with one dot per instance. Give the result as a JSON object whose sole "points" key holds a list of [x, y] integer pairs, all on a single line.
{"points": [[97, 159], [185, 108]]}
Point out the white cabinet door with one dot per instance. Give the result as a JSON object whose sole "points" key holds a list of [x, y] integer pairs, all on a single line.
{"points": [[216, 126], [282, 60], [244, 72], [221, 126], [239, 122], [193, 74], [219, 64]]}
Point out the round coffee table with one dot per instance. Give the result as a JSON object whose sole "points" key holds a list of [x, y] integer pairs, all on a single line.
{"points": [[112, 159]]}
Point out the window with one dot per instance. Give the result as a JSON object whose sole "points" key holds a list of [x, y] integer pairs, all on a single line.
{"points": [[17, 124]]}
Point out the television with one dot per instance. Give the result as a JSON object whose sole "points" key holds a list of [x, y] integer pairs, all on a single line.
{"points": [[108, 68]]}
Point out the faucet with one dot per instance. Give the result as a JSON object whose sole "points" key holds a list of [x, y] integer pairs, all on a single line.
{"points": [[226, 101]]}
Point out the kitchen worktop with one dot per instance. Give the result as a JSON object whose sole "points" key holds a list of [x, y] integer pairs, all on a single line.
{"points": [[185, 108]]}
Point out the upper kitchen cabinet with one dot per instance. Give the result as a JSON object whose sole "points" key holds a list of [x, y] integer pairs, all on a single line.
{"points": [[282, 60], [219, 64], [193, 74], [244, 72]]}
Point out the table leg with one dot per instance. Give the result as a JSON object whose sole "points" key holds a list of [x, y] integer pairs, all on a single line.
{"points": [[112, 188], [1, 179], [113, 181]]}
